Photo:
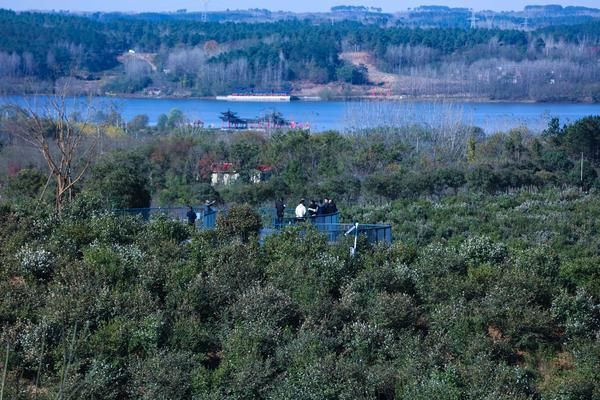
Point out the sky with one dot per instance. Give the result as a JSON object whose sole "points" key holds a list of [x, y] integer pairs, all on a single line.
{"points": [[296, 6]]}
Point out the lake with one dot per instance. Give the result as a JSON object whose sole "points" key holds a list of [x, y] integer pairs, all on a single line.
{"points": [[351, 115]]}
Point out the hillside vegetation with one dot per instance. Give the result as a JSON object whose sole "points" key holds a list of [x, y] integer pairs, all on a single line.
{"points": [[489, 291]]}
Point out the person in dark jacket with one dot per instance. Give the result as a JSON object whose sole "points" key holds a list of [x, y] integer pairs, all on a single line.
{"points": [[313, 208], [191, 216], [321, 208], [325, 206], [280, 210], [332, 207]]}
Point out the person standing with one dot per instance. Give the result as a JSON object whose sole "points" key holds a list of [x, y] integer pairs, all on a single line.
{"points": [[326, 206], [321, 208], [208, 207], [280, 210], [332, 207], [312, 209], [191, 216], [300, 211]]}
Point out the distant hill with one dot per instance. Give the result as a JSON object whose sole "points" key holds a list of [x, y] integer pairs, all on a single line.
{"points": [[426, 16], [539, 53]]}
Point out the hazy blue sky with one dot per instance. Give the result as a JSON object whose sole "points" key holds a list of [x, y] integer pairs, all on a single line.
{"points": [[305, 5]]}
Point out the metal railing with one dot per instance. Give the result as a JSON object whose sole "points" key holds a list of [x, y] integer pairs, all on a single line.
{"points": [[209, 219], [205, 219], [375, 234], [269, 216], [326, 224]]}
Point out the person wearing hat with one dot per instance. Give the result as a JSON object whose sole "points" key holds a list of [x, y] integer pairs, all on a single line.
{"points": [[301, 211]]}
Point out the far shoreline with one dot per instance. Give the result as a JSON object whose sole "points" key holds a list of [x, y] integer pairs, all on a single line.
{"points": [[318, 99]]}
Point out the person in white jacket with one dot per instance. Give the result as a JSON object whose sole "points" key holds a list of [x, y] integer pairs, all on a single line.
{"points": [[301, 211]]}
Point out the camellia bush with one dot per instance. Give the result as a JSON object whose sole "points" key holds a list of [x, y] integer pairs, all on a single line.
{"points": [[489, 290]]}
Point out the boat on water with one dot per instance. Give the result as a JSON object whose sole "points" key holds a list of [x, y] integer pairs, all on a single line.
{"points": [[257, 96]]}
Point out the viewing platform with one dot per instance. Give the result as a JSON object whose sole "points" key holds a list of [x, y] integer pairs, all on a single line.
{"points": [[327, 224]]}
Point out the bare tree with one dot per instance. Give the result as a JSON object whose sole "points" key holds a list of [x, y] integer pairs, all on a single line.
{"points": [[28, 63], [186, 61], [135, 68], [9, 64], [66, 141]]}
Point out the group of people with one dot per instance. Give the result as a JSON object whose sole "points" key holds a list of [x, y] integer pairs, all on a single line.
{"points": [[324, 207]]}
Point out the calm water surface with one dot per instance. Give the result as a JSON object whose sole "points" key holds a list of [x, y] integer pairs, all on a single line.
{"points": [[346, 116]]}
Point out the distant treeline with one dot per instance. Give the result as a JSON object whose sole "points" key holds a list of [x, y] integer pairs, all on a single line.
{"points": [[210, 58]]}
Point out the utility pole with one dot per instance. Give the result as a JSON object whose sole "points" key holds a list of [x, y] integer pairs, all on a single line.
{"points": [[205, 11], [473, 19], [354, 229]]}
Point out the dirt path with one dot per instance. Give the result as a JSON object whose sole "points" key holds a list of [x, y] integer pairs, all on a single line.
{"points": [[146, 57], [376, 76]]}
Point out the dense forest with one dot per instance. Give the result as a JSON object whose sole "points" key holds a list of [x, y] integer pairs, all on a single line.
{"points": [[489, 290], [126, 54]]}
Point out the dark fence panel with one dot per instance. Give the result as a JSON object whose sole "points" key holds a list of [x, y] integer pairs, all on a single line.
{"points": [[205, 219], [209, 219], [327, 219], [374, 233], [268, 216]]}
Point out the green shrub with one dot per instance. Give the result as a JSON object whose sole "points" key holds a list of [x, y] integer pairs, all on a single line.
{"points": [[231, 270], [265, 306], [580, 314], [162, 229], [36, 262], [240, 221], [121, 181], [480, 250], [582, 272], [437, 385], [27, 184], [394, 311], [190, 333], [164, 376]]}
